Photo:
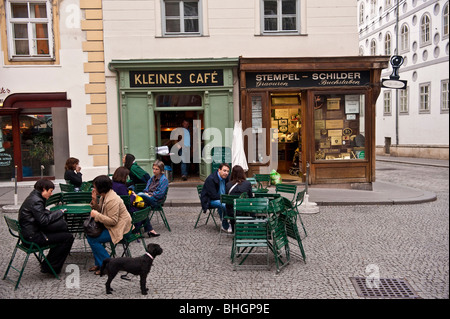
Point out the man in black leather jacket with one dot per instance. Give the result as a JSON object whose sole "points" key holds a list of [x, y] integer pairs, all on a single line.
{"points": [[35, 222]]}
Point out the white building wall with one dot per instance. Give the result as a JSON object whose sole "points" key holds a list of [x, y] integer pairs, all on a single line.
{"points": [[67, 76], [133, 30], [419, 134]]}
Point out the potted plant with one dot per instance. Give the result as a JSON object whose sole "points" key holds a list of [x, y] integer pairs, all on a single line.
{"points": [[42, 150]]}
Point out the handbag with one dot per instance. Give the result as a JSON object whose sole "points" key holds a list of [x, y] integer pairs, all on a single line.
{"points": [[58, 226], [92, 228]]}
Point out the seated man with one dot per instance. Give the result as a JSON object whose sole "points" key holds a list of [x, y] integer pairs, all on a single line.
{"points": [[213, 187]]}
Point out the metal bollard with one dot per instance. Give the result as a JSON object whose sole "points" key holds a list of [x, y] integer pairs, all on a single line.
{"points": [[15, 185], [307, 177]]}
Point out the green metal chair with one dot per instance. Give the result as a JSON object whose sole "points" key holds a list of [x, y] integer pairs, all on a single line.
{"points": [[263, 181], [278, 235], [289, 217], [250, 239], [139, 187], [295, 205], [66, 187], [54, 199], [254, 183], [210, 212], [269, 196], [250, 230], [290, 189], [298, 203], [126, 201], [86, 186], [138, 218], [254, 207], [160, 210], [76, 197], [227, 200], [28, 248]]}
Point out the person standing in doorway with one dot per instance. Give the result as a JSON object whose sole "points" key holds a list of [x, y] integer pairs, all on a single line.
{"points": [[184, 150]]}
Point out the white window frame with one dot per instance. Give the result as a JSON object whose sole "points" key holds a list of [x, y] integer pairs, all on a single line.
{"points": [[387, 102], [387, 43], [279, 17], [29, 21], [403, 100], [361, 13], [404, 38], [425, 30], [182, 19], [445, 22], [373, 47], [444, 96], [424, 98]]}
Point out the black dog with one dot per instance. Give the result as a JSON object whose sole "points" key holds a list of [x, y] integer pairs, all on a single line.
{"points": [[137, 266]]}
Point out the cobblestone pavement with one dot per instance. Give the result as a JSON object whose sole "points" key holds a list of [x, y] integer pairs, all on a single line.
{"points": [[403, 241]]}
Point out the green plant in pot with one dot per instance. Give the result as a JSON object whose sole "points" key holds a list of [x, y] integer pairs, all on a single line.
{"points": [[42, 149]]}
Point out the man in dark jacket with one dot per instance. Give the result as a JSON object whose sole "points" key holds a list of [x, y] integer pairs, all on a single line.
{"points": [[38, 225], [213, 187]]}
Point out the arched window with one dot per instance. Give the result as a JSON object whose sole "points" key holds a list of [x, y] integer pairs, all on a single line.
{"points": [[373, 47], [361, 50], [387, 44], [361, 13], [404, 38], [425, 29], [373, 8], [445, 21]]}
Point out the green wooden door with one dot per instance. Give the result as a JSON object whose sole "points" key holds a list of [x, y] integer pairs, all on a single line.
{"points": [[138, 129]]}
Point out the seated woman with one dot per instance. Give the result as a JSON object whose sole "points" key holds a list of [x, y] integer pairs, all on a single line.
{"points": [[137, 174], [39, 225], [237, 185], [157, 186], [72, 173], [119, 181], [112, 213]]}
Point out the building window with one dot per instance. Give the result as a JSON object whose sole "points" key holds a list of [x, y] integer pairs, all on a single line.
{"points": [[339, 137], [387, 4], [387, 44], [280, 16], [425, 30], [181, 17], [373, 8], [361, 13], [444, 96], [445, 21], [403, 101], [29, 29], [387, 102], [404, 38], [424, 93], [373, 47]]}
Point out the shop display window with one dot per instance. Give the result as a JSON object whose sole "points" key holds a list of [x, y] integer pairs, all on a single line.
{"points": [[339, 127]]}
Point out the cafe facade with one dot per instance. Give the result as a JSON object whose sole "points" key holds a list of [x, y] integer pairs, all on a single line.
{"points": [[312, 114], [155, 96]]}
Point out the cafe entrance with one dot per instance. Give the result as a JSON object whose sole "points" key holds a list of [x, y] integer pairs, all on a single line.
{"points": [[166, 124], [286, 119]]}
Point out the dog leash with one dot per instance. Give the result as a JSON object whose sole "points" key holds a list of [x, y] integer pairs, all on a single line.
{"points": [[149, 255]]}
